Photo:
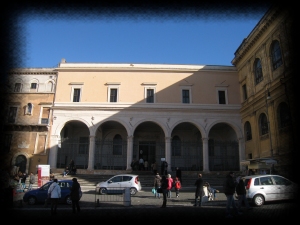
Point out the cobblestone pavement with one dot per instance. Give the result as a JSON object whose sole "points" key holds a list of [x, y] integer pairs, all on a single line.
{"points": [[145, 207]]}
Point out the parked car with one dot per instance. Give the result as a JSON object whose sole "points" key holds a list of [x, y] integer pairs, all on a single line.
{"points": [[39, 195], [265, 188], [120, 182]]}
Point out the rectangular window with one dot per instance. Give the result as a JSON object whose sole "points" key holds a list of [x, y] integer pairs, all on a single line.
{"points": [[45, 115], [113, 94], [17, 87], [76, 95], [244, 92], [150, 95], [222, 97], [83, 145], [33, 86], [185, 96], [12, 114]]}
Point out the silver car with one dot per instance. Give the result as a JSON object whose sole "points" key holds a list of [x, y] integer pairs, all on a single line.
{"points": [[265, 188], [118, 183]]}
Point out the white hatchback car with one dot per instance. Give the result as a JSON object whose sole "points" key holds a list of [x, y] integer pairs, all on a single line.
{"points": [[264, 188], [118, 183]]}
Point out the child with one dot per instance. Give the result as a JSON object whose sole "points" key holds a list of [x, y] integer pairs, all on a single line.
{"points": [[177, 186]]}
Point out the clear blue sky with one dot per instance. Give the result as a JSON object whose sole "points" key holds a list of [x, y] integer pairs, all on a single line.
{"points": [[172, 40]]}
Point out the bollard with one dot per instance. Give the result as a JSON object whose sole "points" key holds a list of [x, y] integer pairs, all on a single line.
{"points": [[127, 197], [98, 203]]}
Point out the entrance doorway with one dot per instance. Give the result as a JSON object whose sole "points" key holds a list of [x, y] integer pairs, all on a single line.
{"points": [[147, 151]]}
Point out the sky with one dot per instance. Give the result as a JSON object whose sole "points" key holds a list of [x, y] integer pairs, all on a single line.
{"points": [[210, 40]]}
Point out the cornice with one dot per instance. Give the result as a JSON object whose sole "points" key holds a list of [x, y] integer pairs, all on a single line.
{"points": [[256, 33]]}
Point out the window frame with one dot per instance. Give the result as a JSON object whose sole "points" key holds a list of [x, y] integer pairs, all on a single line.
{"points": [[41, 118], [111, 86], [18, 87], [29, 109], [258, 73], [76, 86], [263, 124], [276, 55], [186, 88], [218, 90]]}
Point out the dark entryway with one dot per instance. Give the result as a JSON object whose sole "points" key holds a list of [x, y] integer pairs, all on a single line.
{"points": [[147, 151]]}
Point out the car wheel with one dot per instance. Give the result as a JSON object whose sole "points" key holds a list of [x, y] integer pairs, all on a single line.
{"points": [[102, 191], [258, 200], [68, 200], [133, 191], [32, 200]]}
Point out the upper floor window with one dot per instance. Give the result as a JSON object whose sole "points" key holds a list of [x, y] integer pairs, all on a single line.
{"points": [[29, 108], [44, 117], [12, 114], [248, 131], [150, 96], [117, 145], [185, 96], [263, 124], [113, 95], [76, 95], [245, 96], [222, 97], [258, 71], [33, 86], [176, 146], [49, 86], [113, 91], [284, 115], [276, 55], [17, 87]]}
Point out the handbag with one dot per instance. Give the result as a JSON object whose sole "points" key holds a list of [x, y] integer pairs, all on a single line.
{"points": [[153, 191]]}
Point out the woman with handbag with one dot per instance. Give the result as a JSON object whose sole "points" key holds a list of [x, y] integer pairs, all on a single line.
{"points": [[157, 184]]}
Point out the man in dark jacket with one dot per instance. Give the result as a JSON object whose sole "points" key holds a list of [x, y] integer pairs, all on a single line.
{"points": [[241, 192], [229, 189], [75, 195], [199, 190]]}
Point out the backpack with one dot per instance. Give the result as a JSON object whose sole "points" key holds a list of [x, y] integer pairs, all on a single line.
{"points": [[178, 185]]}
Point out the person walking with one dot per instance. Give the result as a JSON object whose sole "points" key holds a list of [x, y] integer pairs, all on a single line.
{"points": [[229, 189], [199, 190], [164, 185], [154, 167], [241, 192], [141, 164], [31, 180], [55, 194], [157, 184], [75, 195], [178, 174], [170, 185], [177, 186]]}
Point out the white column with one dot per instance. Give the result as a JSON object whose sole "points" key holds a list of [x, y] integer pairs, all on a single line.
{"points": [[168, 152], [52, 160], [91, 153], [205, 155], [129, 152]]}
